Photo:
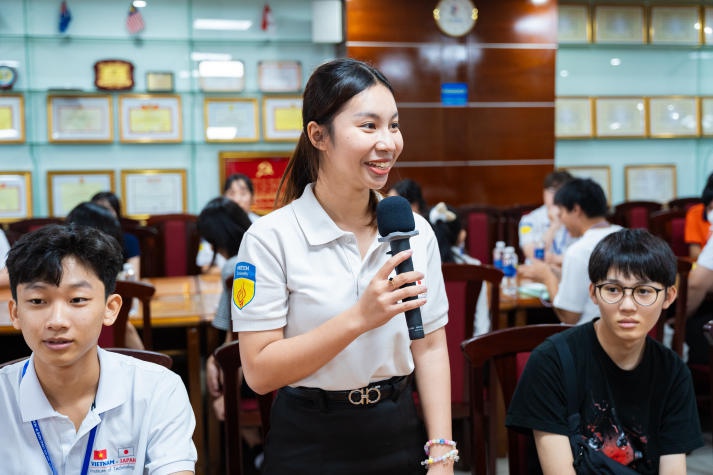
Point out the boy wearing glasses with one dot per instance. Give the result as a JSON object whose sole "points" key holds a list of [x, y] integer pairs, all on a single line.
{"points": [[636, 399]]}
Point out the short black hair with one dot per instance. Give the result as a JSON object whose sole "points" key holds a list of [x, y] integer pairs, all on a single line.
{"points": [[411, 190], [707, 193], [110, 198], [222, 223], [239, 177], [584, 192], [88, 213], [556, 179], [37, 256], [635, 253]]}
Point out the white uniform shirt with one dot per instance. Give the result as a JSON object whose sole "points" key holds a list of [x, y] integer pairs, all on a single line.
{"points": [[573, 292], [534, 225], [705, 258], [4, 249], [307, 270], [142, 410]]}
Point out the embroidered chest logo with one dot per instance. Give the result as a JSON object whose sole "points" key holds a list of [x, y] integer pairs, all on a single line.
{"points": [[104, 460], [243, 284]]}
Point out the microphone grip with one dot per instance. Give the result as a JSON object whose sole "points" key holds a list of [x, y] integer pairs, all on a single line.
{"points": [[413, 316]]}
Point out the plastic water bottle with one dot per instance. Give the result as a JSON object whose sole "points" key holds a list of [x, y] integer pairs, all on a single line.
{"points": [[498, 254], [540, 243], [509, 283]]}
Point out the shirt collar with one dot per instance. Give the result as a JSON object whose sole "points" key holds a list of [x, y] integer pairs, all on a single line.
{"points": [[313, 220]]}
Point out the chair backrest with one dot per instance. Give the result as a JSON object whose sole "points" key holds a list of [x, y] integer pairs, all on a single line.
{"points": [[670, 225], [176, 245], [635, 214], [503, 352], [684, 203], [146, 355], [676, 311], [130, 290], [484, 225], [17, 228], [228, 357], [463, 287]]}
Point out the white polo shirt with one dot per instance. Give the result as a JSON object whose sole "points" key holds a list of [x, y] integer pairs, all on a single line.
{"points": [[4, 248], [306, 270], [705, 258], [143, 416]]}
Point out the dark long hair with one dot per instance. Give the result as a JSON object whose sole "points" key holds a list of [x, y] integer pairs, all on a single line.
{"points": [[331, 86], [222, 223]]}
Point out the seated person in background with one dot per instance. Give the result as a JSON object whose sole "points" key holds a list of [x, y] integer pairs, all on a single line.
{"points": [[582, 208], [699, 309], [411, 190], [636, 399], [130, 243], [239, 189], [698, 221], [80, 404], [542, 225], [4, 248], [91, 214], [448, 228]]}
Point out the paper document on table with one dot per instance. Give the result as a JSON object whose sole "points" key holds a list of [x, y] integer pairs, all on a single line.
{"points": [[534, 289]]}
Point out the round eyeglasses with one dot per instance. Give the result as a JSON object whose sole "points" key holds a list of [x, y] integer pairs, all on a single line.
{"points": [[643, 295]]}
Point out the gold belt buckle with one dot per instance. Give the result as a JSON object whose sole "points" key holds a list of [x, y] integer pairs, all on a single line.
{"points": [[370, 395]]}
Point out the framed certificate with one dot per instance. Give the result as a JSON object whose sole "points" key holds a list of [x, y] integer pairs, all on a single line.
{"points": [[230, 120], [673, 117], [15, 196], [620, 117], [675, 25], [279, 76], [221, 76], [265, 169], [159, 81], [148, 192], [80, 119], [281, 118], [150, 118], [601, 175], [650, 182], [573, 25], [706, 114], [12, 118], [708, 25], [619, 24], [573, 117], [66, 189]]}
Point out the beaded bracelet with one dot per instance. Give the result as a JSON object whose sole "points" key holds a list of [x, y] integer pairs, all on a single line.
{"points": [[427, 447], [450, 456]]}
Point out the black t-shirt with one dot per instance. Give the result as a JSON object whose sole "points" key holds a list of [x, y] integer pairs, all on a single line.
{"points": [[654, 403]]}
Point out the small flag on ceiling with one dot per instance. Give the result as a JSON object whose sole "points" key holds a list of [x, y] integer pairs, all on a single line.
{"points": [[134, 22], [65, 16], [267, 23]]}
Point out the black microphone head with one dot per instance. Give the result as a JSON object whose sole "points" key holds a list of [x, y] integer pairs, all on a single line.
{"points": [[394, 214]]}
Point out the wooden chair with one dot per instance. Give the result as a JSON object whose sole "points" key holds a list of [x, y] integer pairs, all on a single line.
{"points": [[129, 290], [500, 353], [145, 355], [635, 214], [669, 225], [464, 283], [683, 203], [677, 311], [238, 412], [17, 228], [173, 250], [484, 225]]}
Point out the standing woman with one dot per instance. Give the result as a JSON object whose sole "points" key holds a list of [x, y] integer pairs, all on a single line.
{"points": [[319, 307]]}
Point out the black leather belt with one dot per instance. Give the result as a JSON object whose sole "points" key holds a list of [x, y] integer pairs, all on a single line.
{"points": [[362, 397]]}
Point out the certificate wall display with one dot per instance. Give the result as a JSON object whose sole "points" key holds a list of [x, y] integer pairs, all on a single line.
{"points": [[221, 76], [279, 76], [159, 81], [230, 120], [675, 25], [708, 25], [673, 117], [150, 118], [69, 188], [80, 119], [706, 114], [619, 24], [281, 118], [650, 182], [148, 192], [15, 196], [620, 117], [573, 117], [12, 118], [573, 25], [265, 169], [601, 175]]}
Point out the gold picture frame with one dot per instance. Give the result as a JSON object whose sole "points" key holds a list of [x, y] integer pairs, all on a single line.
{"points": [[574, 117], [675, 25], [156, 191], [650, 182], [600, 174], [264, 168], [573, 23], [150, 118], [230, 120], [12, 118], [673, 116], [706, 115], [620, 117], [80, 118], [279, 76], [15, 195], [707, 25], [619, 24], [68, 188], [281, 118]]}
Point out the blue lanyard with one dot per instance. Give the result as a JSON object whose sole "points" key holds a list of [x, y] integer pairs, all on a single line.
{"points": [[43, 445]]}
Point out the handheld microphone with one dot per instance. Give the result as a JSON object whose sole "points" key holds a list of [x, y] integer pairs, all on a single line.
{"points": [[394, 219]]}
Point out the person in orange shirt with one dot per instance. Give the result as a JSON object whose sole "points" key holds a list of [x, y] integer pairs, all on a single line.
{"points": [[698, 221]]}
